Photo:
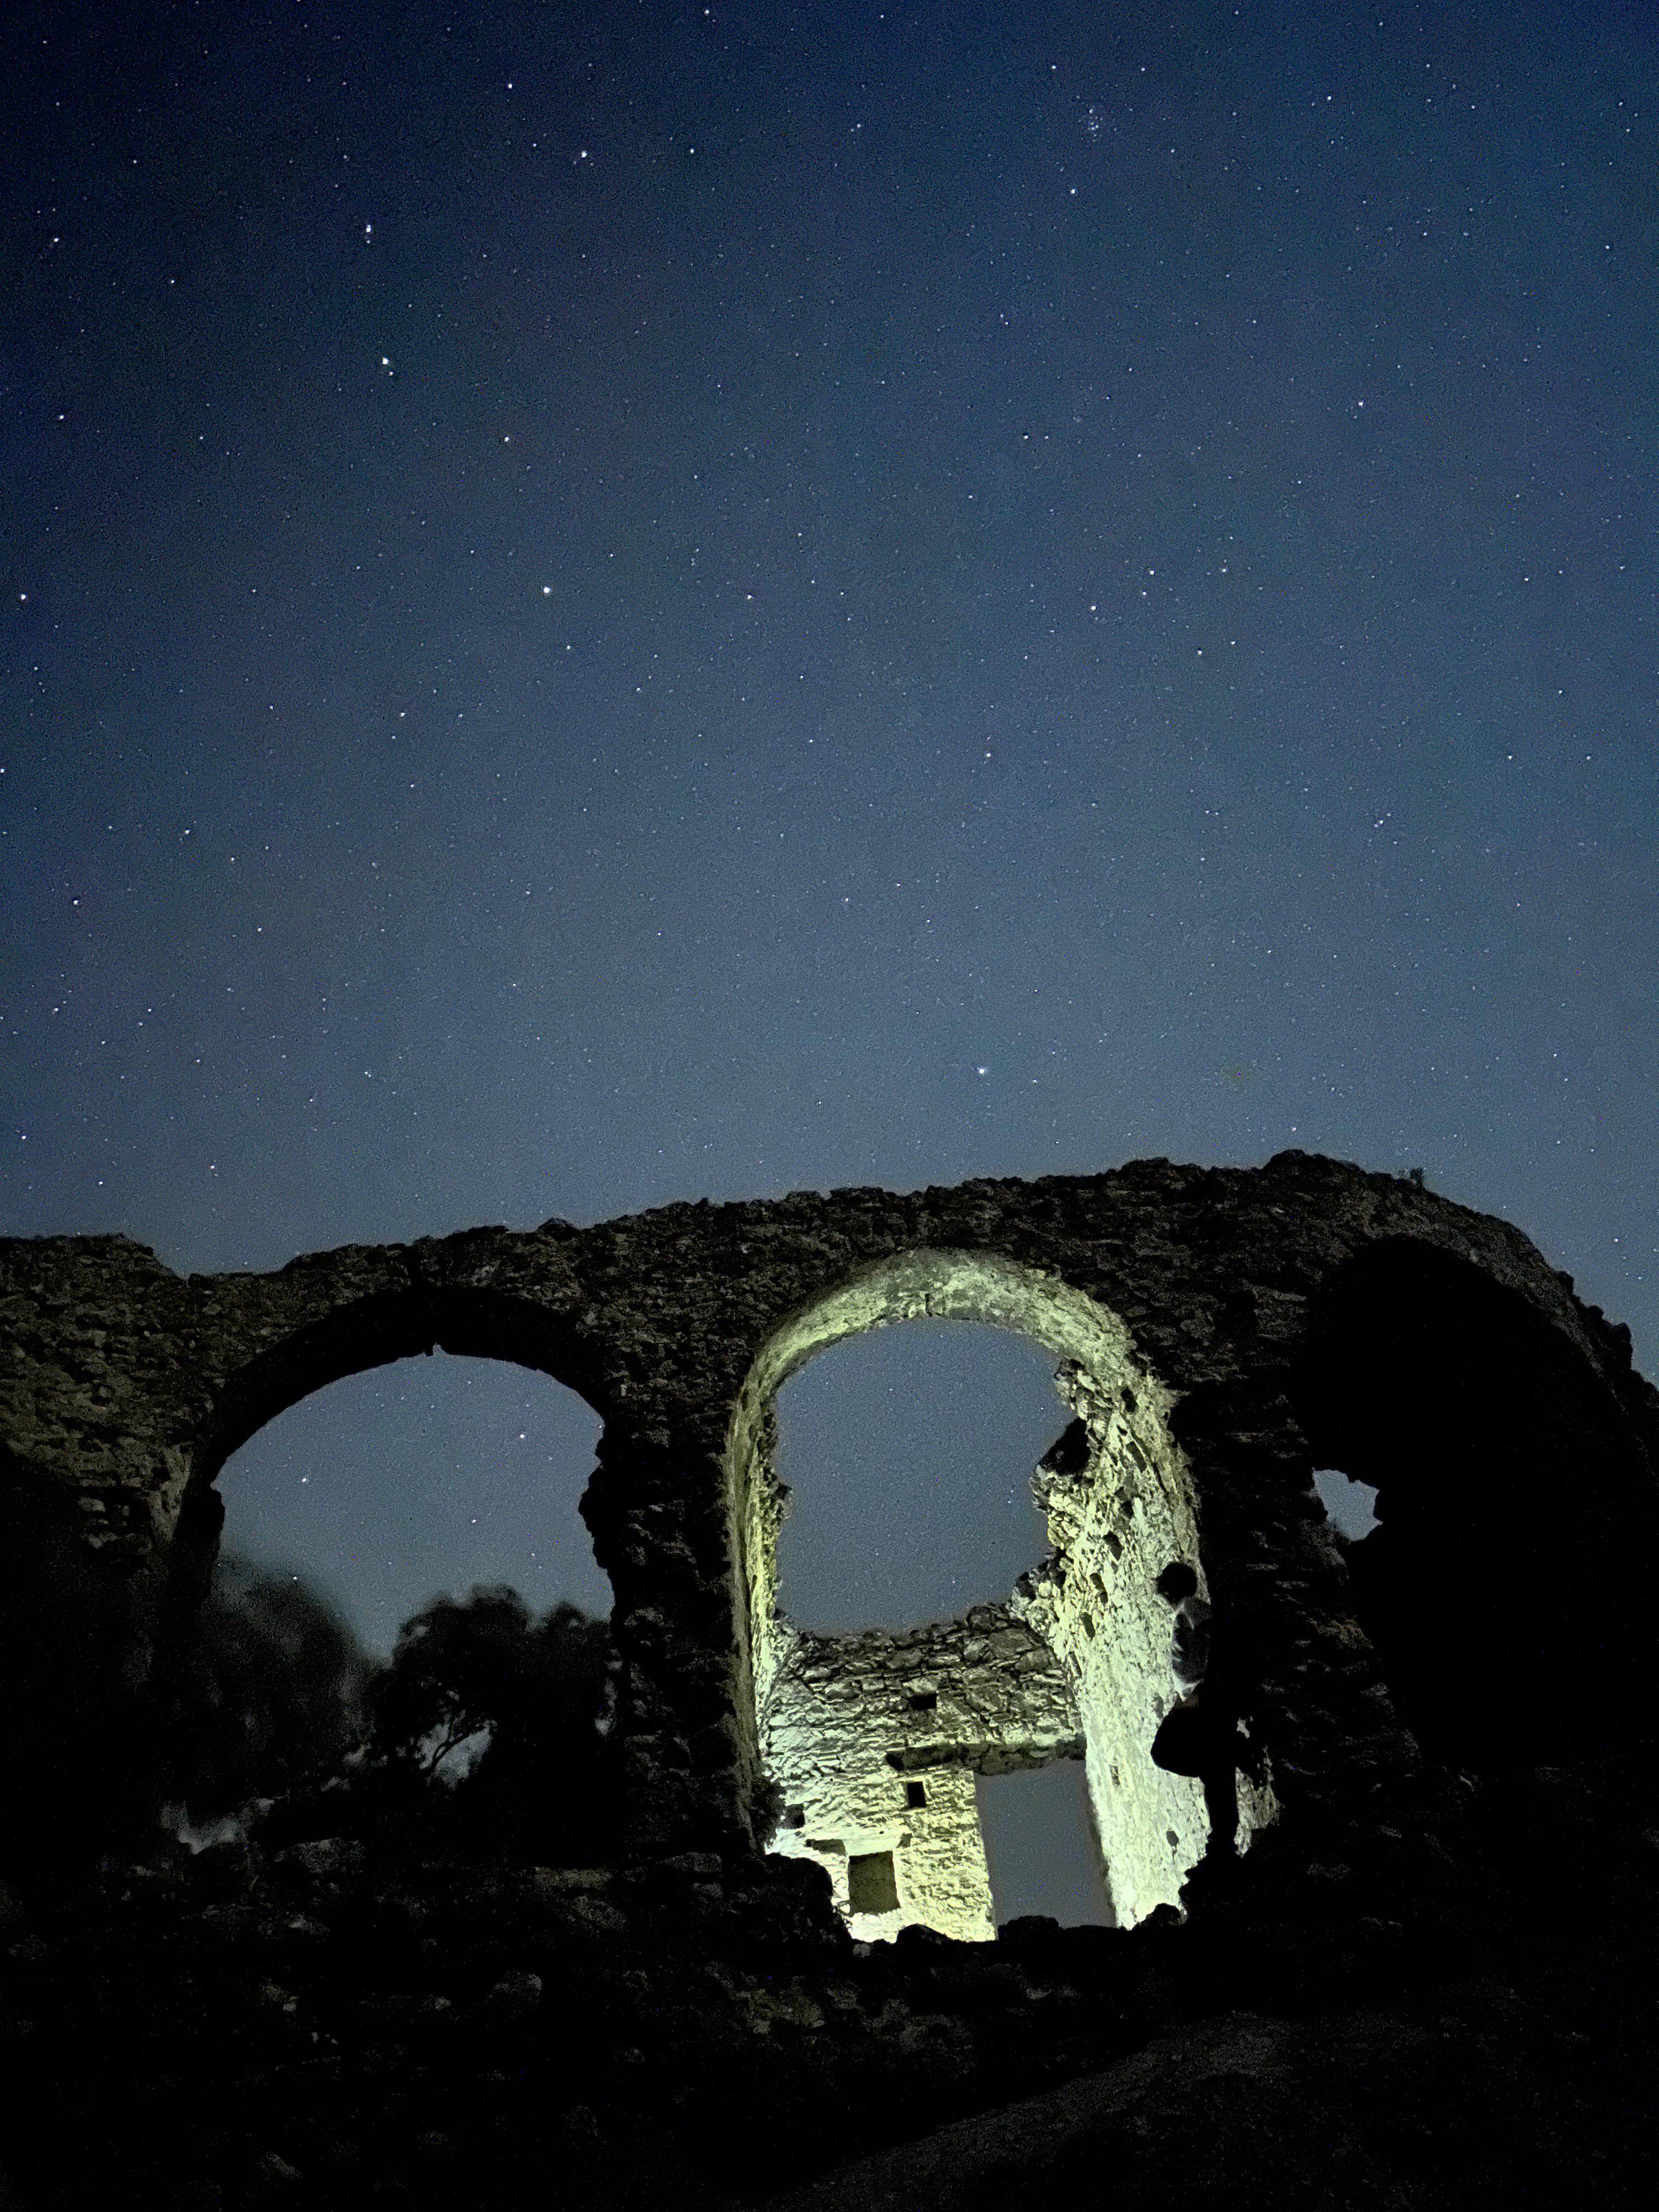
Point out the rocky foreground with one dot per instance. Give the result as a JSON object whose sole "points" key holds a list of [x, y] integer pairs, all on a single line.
{"points": [[1469, 2018]]}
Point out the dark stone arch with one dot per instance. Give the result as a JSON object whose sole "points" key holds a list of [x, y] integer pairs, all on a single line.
{"points": [[375, 1330], [350, 1338], [367, 1332], [1504, 1586]]}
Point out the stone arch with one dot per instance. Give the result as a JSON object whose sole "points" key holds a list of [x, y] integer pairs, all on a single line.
{"points": [[123, 1385], [1501, 1589], [346, 1339], [1076, 1663], [373, 1331]]}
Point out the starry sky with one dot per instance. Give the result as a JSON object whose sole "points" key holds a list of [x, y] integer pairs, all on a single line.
{"points": [[612, 603]]}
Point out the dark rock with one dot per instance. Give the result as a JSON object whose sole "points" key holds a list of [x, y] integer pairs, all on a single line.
{"points": [[333, 1856], [513, 2000]]}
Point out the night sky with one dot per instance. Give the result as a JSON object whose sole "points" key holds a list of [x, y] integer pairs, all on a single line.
{"points": [[607, 603]]}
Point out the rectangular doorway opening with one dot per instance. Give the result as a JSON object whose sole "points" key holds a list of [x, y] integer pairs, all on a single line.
{"points": [[1040, 1846], [870, 1884]]}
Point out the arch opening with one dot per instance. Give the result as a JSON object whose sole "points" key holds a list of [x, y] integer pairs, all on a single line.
{"points": [[493, 1334], [1077, 1662], [343, 1492], [393, 1486], [905, 1453]]}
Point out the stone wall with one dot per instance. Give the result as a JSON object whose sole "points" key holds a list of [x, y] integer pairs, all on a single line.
{"points": [[1207, 1325], [872, 1742]]}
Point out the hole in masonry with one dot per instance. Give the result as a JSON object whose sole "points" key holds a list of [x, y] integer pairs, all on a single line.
{"points": [[872, 1885], [915, 1796], [1040, 1846], [1349, 1504]]}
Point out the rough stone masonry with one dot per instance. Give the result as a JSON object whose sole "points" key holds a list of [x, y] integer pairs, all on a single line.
{"points": [[1217, 1334]]}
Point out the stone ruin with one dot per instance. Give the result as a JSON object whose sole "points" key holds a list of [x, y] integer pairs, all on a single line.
{"points": [[1217, 1336]]}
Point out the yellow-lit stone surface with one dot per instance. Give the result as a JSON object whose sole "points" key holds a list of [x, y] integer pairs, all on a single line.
{"points": [[855, 1725], [1079, 1661], [1115, 1525]]}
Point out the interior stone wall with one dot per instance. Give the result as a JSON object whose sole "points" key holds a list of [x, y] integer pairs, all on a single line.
{"points": [[1206, 1293], [1114, 1523], [855, 1727]]}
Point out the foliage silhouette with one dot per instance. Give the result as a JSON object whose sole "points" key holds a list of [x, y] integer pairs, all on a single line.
{"points": [[486, 1734], [530, 1699], [269, 1699]]}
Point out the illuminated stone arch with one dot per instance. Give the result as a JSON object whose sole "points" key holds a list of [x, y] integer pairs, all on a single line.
{"points": [[873, 1741]]}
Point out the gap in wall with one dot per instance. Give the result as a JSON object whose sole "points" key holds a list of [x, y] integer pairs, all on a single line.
{"points": [[910, 1452], [1040, 1846], [1349, 1504], [390, 1487]]}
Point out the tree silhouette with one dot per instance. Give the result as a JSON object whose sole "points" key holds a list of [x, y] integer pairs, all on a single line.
{"points": [[269, 1696], [530, 1697], [274, 1703]]}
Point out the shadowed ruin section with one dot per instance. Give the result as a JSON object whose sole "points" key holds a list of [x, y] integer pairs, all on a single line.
{"points": [[1507, 1585], [1217, 1334]]}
